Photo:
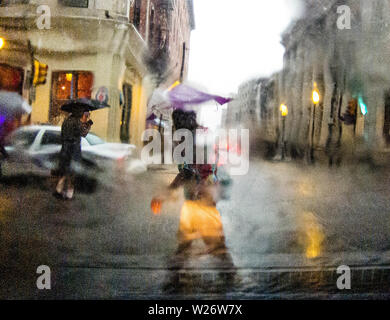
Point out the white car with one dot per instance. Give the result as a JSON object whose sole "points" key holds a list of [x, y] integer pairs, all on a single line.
{"points": [[33, 148]]}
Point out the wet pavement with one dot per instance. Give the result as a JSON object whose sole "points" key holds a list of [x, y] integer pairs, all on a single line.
{"points": [[288, 228]]}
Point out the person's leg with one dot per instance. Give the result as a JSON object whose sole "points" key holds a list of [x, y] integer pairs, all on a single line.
{"points": [[216, 246], [61, 185], [181, 255], [176, 264], [214, 238], [184, 239], [69, 188]]}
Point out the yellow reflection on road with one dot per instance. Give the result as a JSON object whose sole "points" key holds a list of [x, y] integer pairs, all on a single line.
{"points": [[312, 235], [305, 189]]}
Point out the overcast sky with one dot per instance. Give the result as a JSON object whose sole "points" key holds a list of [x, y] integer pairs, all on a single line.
{"points": [[236, 40]]}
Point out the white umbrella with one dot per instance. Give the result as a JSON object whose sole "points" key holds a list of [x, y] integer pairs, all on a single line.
{"points": [[159, 104], [13, 104]]}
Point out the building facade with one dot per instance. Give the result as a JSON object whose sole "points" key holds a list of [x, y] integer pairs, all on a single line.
{"points": [[244, 109], [253, 108], [349, 67], [168, 36], [94, 49]]}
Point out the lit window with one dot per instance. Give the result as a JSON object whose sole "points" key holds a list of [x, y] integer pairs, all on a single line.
{"points": [[11, 79], [69, 85]]}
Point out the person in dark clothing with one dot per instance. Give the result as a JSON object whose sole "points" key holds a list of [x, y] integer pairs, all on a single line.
{"points": [[77, 125]]}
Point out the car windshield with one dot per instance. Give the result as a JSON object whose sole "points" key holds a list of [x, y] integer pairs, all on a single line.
{"points": [[51, 137], [23, 138], [94, 140]]}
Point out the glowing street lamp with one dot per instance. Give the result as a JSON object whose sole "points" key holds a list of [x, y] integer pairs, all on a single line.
{"points": [[316, 99], [284, 113], [284, 110], [316, 96], [2, 43]]}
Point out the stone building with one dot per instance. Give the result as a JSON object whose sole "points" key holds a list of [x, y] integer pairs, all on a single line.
{"points": [[348, 67], [244, 109], [168, 36], [253, 108], [94, 49]]}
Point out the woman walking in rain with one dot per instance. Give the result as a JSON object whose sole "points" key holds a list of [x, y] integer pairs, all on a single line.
{"points": [[199, 218], [77, 125]]}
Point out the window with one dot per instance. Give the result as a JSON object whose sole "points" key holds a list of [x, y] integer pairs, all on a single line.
{"points": [[74, 3], [93, 139], [51, 137], [137, 14], [151, 28], [22, 138], [11, 79], [69, 85], [126, 113], [4, 3]]}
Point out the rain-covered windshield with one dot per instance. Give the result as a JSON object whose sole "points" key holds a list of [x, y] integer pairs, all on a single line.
{"points": [[243, 149]]}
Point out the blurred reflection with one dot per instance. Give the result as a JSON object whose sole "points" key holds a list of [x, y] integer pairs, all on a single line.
{"points": [[199, 217], [5, 205], [312, 235], [305, 188], [200, 220]]}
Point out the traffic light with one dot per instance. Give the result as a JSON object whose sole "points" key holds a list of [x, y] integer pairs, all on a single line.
{"points": [[284, 110], [39, 72]]}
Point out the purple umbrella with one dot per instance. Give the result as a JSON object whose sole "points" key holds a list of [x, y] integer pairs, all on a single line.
{"points": [[162, 102], [182, 95]]}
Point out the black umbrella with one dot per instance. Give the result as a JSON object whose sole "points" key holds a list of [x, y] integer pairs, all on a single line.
{"points": [[83, 105]]}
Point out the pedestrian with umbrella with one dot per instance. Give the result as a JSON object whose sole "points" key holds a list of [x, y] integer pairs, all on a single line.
{"points": [[199, 217], [12, 107], [77, 125]]}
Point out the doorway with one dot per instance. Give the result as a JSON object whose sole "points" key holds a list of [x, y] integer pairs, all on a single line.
{"points": [[126, 113], [386, 125]]}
